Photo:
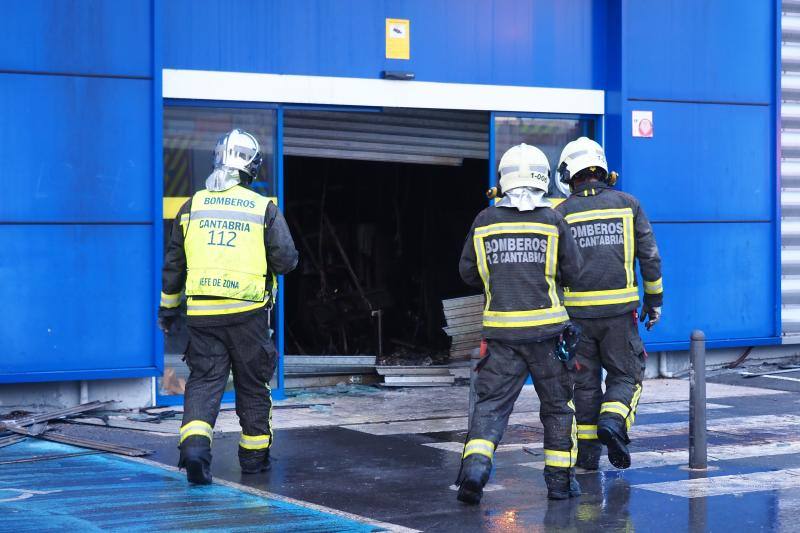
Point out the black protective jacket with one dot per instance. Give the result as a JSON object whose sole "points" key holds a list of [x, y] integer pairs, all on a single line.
{"points": [[521, 259], [282, 258], [612, 232]]}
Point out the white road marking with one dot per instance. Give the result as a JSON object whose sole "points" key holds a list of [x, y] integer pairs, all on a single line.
{"points": [[785, 378], [673, 407], [744, 425], [458, 447], [739, 425], [715, 453], [490, 487], [734, 484], [526, 418]]}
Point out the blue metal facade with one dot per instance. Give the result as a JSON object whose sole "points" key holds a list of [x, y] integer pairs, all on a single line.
{"points": [[80, 141], [80, 216], [708, 176]]}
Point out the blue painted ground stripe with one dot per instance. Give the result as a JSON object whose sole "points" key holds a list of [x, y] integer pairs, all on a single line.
{"points": [[102, 492]]}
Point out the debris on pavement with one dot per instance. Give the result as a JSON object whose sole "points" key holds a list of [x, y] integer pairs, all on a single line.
{"points": [[464, 325], [36, 426]]}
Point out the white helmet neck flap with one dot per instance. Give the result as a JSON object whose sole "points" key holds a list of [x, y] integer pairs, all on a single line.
{"points": [[580, 154], [524, 165]]}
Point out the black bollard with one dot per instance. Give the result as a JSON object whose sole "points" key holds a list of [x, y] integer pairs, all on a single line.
{"points": [[698, 456]]}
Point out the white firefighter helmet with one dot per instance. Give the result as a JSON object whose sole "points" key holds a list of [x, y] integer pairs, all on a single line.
{"points": [[524, 165], [580, 154], [238, 150]]}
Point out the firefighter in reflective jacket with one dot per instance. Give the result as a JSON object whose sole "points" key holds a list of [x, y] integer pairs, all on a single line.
{"points": [[227, 244], [612, 232], [520, 251]]}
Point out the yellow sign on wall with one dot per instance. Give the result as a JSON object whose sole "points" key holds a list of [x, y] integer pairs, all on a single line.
{"points": [[398, 39]]}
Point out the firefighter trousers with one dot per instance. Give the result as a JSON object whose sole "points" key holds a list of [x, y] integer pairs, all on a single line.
{"points": [[612, 344], [246, 349], [501, 375]]}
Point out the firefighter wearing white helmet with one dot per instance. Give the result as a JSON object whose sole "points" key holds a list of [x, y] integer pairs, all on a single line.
{"points": [[227, 244], [519, 251], [613, 233]]}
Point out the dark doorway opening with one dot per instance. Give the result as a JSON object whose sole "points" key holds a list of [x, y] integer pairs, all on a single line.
{"points": [[379, 246]]}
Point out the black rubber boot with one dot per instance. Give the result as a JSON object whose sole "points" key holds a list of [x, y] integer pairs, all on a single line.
{"points": [[254, 462], [474, 475], [196, 459], [610, 433], [559, 483], [589, 454]]}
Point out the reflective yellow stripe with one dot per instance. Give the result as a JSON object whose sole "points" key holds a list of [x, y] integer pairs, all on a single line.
{"points": [[609, 297], [634, 404], [551, 256], [195, 307], [558, 458], [170, 300], [196, 427], [269, 418], [629, 244], [479, 446], [524, 319], [653, 287], [483, 268], [516, 227], [598, 214], [184, 223], [615, 407], [587, 432], [254, 442]]}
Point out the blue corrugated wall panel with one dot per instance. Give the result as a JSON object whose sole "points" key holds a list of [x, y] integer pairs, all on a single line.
{"points": [[540, 42], [707, 177], [84, 153], [715, 50], [79, 219], [83, 295], [705, 162], [718, 278], [77, 36]]}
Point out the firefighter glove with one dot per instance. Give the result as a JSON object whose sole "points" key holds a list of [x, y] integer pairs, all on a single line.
{"points": [[166, 319], [650, 315]]}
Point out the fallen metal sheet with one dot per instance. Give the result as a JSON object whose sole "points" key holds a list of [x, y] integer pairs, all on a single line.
{"points": [[37, 458], [327, 370], [315, 365], [302, 382], [329, 360], [466, 301], [12, 439], [81, 442], [53, 415], [475, 337], [462, 330], [418, 381], [161, 429], [757, 374], [413, 370], [473, 318]]}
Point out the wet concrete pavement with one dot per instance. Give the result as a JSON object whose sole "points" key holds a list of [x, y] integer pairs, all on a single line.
{"points": [[383, 475]]}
